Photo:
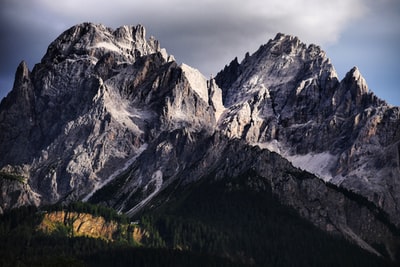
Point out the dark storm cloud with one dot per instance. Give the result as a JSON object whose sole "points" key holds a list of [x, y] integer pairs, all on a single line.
{"points": [[204, 34]]}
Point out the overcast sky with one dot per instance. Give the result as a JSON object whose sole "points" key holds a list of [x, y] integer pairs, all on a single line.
{"points": [[208, 34]]}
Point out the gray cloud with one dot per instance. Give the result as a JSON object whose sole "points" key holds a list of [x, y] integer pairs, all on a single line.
{"points": [[205, 34]]}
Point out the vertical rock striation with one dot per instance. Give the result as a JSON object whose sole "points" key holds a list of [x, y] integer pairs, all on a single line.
{"points": [[287, 97], [109, 117], [97, 97]]}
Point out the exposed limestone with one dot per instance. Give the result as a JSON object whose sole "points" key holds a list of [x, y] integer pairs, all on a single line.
{"points": [[287, 97], [109, 117], [95, 99]]}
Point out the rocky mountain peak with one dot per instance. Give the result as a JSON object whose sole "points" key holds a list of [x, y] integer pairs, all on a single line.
{"points": [[96, 100], [124, 33], [109, 109], [284, 44], [22, 72], [353, 95], [287, 97], [279, 66], [16, 117], [360, 85], [22, 82], [95, 40], [287, 44]]}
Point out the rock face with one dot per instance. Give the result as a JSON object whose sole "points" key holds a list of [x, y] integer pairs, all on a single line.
{"points": [[15, 191], [109, 117], [94, 101], [83, 224], [182, 157], [286, 97]]}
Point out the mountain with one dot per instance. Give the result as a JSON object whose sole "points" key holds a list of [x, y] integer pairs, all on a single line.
{"points": [[287, 98], [209, 223], [108, 117], [90, 107]]}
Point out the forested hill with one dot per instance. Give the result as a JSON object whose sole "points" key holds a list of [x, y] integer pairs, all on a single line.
{"points": [[211, 223]]}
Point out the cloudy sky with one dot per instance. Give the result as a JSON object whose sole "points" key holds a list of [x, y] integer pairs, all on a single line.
{"points": [[208, 34]]}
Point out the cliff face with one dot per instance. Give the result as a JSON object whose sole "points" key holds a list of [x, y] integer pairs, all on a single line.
{"points": [[83, 224], [92, 105], [15, 190], [108, 117], [286, 97]]}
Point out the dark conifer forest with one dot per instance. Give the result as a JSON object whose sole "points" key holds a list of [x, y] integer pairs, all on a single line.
{"points": [[228, 222]]}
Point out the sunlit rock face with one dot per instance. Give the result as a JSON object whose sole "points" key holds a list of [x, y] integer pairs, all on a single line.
{"points": [[287, 97], [92, 104], [109, 117]]}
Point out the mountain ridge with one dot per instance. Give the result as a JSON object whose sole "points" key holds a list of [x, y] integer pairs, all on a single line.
{"points": [[314, 114], [108, 116]]}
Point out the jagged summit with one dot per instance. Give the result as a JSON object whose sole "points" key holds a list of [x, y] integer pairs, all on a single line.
{"points": [[360, 85], [21, 81], [22, 73], [287, 97], [108, 116], [95, 101], [281, 65], [95, 40], [289, 44], [278, 66]]}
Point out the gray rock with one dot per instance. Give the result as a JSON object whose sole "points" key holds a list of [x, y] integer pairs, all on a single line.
{"points": [[108, 116], [286, 97]]}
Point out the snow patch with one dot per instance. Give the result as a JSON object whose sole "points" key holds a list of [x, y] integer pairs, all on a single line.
{"points": [[319, 164], [273, 146], [197, 81]]}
